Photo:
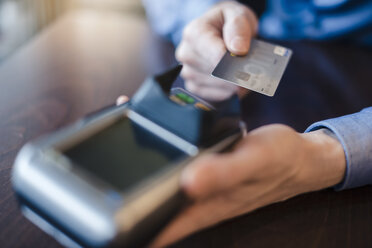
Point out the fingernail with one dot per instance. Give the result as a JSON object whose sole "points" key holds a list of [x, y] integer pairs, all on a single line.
{"points": [[121, 100], [239, 44]]}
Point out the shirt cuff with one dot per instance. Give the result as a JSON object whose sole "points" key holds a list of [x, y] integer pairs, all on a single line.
{"points": [[355, 134]]}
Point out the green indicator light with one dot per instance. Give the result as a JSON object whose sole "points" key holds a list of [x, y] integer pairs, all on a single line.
{"points": [[190, 99], [186, 98]]}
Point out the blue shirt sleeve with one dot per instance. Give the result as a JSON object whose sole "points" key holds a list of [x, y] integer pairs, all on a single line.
{"points": [[318, 20], [290, 19], [355, 134], [169, 17]]}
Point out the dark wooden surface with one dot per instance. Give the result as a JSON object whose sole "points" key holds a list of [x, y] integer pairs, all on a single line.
{"points": [[86, 59]]}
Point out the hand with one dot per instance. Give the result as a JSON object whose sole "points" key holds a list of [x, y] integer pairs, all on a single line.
{"points": [[271, 164], [228, 25], [122, 99]]}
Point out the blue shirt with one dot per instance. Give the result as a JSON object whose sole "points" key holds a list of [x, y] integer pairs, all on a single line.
{"points": [[299, 19], [318, 20], [283, 19]]}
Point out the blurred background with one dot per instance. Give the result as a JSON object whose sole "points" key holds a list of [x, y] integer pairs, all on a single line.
{"points": [[21, 19]]}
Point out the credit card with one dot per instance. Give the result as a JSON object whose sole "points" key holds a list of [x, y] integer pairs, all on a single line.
{"points": [[260, 70]]}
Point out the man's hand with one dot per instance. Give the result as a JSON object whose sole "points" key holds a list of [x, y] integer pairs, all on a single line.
{"points": [[271, 164], [228, 25]]}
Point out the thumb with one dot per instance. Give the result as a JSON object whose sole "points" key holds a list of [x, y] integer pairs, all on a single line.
{"points": [[121, 100], [210, 174], [240, 25]]}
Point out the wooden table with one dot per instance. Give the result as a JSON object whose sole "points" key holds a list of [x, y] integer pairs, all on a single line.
{"points": [[86, 59]]}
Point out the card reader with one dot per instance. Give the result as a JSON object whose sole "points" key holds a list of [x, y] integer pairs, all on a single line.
{"points": [[111, 179]]}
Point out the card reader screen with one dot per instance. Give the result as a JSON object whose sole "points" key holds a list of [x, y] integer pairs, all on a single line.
{"points": [[124, 154]]}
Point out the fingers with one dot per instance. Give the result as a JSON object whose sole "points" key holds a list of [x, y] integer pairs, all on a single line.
{"points": [[201, 48], [212, 174], [206, 86], [227, 185], [216, 173], [122, 99], [210, 93], [204, 80], [197, 217], [239, 28], [207, 213], [262, 156], [205, 40], [190, 56], [199, 62]]}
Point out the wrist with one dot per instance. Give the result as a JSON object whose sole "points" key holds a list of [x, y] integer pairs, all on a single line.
{"points": [[326, 159]]}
